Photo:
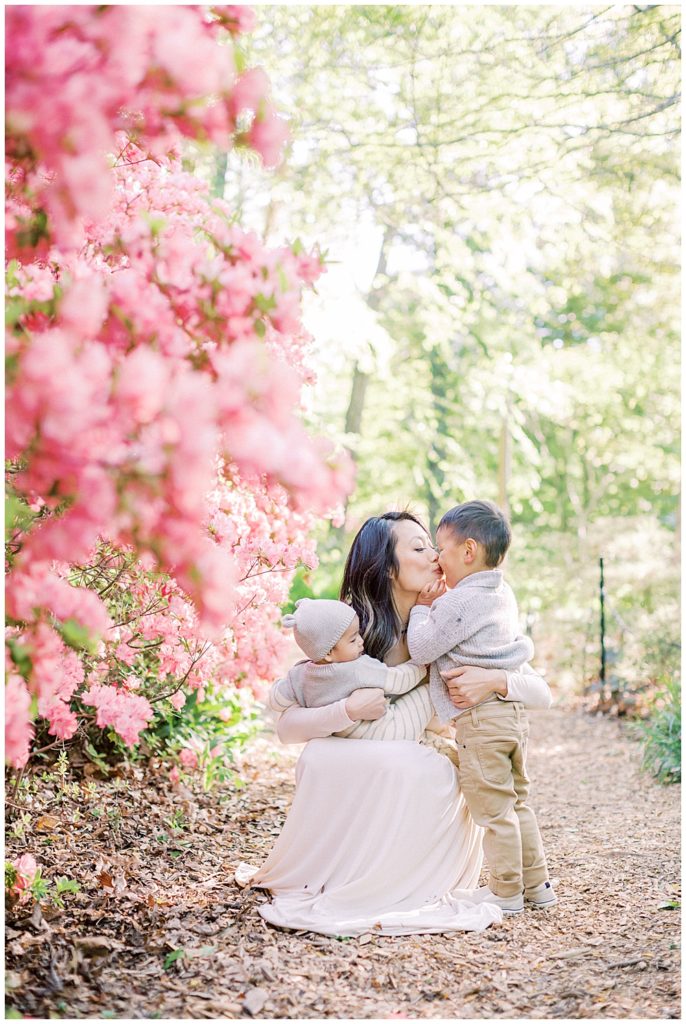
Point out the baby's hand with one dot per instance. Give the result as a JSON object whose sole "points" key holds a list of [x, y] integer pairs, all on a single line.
{"points": [[431, 591]]}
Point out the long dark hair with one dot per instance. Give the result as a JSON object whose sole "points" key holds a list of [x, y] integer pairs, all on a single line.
{"points": [[369, 567]]}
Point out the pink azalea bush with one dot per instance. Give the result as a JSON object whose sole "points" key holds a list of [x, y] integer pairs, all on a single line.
{"points": [[161, 483]]}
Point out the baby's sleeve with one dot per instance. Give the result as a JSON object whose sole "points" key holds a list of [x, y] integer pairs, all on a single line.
{"points": [[370, 672], [403, 678], [281, 695]]}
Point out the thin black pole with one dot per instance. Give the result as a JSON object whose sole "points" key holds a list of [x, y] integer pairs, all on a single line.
{"points": [[602, 623]]}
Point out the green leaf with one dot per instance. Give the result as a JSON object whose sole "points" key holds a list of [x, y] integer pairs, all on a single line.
{"points": [[14, 310], [63, 884], [93, 755], [10, 874], [18, 516], [265, 303], [77, 636], [20, 657], [155, 222], [170, 958]]}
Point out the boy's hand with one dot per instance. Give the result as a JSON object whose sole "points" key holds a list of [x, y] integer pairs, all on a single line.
{"points": [[431, 591]]}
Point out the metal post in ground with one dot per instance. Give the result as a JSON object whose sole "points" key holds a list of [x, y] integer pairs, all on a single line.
{"points": [[602, 622]]}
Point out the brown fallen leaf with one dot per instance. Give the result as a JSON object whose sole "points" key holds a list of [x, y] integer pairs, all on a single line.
{"points": [[46, 823], [96, 945]]}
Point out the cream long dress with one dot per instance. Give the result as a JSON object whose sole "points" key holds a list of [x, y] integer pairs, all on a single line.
{"points": [[378, 838]]}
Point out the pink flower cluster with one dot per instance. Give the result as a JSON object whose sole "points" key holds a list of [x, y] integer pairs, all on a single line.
{"points": [[127, 713], [78, 75], [156, 360]]}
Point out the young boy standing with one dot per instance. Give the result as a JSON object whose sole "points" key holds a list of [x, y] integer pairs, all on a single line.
{"points": [[475, 622]]}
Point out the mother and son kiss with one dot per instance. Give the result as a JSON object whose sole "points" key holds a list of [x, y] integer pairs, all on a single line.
{"points": [[402, 781]]}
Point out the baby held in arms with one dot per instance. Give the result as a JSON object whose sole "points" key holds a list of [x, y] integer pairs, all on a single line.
{"points": [[328, 632]]}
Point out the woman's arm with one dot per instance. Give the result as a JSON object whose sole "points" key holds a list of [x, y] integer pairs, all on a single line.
{"points": [[469, 686], [298, 725], [527, 686]]}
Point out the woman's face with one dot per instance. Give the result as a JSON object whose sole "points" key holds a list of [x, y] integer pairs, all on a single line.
{"points": [[417, 557]]}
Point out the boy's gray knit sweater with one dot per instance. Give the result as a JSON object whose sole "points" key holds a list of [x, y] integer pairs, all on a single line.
{"points": [[475, 623], [313, 686]]}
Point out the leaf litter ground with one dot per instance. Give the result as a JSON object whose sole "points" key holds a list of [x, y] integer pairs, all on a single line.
{"points": [[159, 928]]}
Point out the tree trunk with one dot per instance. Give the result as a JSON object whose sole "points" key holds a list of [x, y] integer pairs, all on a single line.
{"points": [[505, 460], [358, 391], [360, 380]]}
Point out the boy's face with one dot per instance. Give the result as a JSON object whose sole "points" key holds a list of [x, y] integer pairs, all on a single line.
{"points": [[458, 558], [350, 646]]}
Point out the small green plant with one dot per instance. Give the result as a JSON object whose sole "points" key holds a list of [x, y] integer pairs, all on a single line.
{"points": [[171, 958], [39, 886], [96, 758], [63, 885], [176, 822], [62, 767], [20, 826], [114, 816], [660, 734], [10, 875]]}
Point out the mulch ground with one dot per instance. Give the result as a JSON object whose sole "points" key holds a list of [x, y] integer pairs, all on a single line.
{"points": [[160, 930]]}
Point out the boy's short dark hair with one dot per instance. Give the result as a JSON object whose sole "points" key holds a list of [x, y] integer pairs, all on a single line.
{"points": [[484, 522]]}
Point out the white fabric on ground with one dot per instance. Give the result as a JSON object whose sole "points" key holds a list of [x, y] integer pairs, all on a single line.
{"points": [[378, 834]]}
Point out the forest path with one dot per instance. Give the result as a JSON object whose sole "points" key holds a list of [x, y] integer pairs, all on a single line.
{"points": [[609, 949]]}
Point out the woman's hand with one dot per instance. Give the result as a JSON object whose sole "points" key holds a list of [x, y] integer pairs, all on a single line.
{"points": [[367, 704], [469, 685]]}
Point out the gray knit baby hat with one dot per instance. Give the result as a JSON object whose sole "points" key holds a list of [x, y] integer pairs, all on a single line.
{"points": [[318, 625]]}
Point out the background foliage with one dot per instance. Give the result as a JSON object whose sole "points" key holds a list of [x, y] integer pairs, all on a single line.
{"points": [[497, 189]]}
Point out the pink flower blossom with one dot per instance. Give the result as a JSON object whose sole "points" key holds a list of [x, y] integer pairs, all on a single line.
{"points": [[251, 89], [127, 714], [18, 728], [238, 18], [188, 758], [63, 721], [27, 869], [267, 135]]}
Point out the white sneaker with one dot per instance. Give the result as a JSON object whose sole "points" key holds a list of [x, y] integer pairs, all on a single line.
{"points": [[508, 904], [541, 896]]}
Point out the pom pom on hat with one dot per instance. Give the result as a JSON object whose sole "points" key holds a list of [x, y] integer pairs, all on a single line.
{"points": [[318, 625]]}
